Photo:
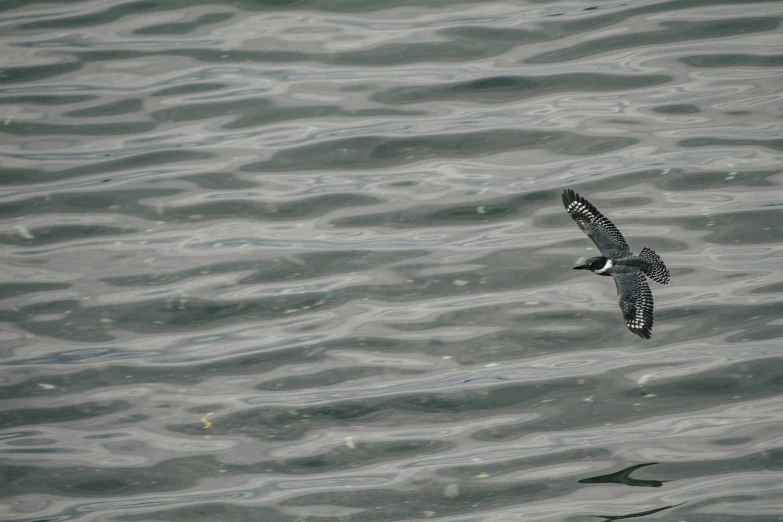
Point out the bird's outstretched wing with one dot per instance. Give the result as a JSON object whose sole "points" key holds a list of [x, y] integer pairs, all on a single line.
{"points": [[636, 301], [604, 234]]}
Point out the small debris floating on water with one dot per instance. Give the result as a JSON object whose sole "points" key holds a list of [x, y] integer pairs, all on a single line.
{"points": [[451, 491], [204, 419], [23, 232]]}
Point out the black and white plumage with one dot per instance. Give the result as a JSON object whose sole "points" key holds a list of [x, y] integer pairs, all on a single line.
{"points": [[657, 271], [628, 270], [604, 234]]}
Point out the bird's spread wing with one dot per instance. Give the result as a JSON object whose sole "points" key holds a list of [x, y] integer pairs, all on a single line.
{"points": [[636, 301], [604, 234]]}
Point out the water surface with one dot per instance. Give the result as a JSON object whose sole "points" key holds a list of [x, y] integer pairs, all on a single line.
{"points": [[307, 261]]}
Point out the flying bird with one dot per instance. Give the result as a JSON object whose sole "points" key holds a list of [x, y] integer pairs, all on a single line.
{"points": [[616, 260]]}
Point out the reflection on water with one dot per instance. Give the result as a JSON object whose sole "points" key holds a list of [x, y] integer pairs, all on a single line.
{"points": [[293, 261]]}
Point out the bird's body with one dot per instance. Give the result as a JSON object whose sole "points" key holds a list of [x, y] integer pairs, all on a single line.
{"points": [[628, 270]]}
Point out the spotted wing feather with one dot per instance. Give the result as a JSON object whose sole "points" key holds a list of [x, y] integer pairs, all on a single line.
{"points": [[636, 301], [604, 234], [657, 270]]}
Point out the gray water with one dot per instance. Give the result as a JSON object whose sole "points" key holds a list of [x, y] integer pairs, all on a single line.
{"points": [[296, 261]]}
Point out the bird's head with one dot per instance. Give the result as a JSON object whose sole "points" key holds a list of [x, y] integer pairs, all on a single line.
{"points": [[594, 264]]}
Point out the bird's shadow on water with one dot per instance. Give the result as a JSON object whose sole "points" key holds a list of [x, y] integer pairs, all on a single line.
{"points": [[624, 477]]}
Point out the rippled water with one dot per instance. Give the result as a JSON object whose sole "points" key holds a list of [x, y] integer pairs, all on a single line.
{"points": [[307, 261]]}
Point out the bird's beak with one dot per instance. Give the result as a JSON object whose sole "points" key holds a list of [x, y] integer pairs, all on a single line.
{"points": [[582, 267]]}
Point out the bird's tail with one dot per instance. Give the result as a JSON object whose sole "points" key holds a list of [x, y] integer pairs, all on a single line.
{"points": [[657, 270]]}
